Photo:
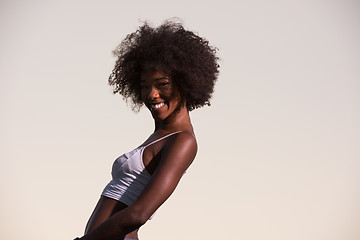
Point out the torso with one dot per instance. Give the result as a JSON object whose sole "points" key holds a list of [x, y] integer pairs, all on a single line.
{"points": [[107, 207]]}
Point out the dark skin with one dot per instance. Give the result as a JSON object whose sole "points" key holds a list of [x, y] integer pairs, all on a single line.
{"points": [[165, 160]]}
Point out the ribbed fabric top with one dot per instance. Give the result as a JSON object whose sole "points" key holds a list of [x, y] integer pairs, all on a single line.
{"points": [[129, 176]]}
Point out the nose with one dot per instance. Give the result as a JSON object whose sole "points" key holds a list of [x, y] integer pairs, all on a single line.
{"points": [[153, 93]]}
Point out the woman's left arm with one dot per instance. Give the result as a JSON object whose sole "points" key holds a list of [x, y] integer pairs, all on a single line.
{"points": [[177, 155]]}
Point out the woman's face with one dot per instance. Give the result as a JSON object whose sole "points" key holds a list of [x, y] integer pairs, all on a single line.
{"points": [[159, 94]]}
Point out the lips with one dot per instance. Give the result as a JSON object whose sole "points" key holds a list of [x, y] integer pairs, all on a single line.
{"points": [[156, 106]]}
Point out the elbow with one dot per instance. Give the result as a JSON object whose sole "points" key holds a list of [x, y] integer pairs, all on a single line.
{"points": [[138, 216], [139, 220]]}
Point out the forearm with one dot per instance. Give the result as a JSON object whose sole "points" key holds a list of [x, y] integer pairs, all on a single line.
{"points": [[116, 227]]}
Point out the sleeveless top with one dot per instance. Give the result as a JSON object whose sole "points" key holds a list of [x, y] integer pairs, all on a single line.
{"points": [[129, 176]]}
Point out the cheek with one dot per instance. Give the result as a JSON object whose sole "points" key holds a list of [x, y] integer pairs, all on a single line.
{"points": [[178, 98], [176, 102]]}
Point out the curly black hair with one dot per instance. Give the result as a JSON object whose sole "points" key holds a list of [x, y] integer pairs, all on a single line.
{"points": [[185, 57]]}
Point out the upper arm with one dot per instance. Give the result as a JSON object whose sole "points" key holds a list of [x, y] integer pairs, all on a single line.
{"points": [[177, 155]]}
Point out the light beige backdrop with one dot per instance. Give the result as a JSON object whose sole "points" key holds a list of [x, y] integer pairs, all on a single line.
{"points": [[279, 149]]}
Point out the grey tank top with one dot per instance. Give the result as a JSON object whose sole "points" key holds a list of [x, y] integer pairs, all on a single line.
{"points": [[129, 176]]}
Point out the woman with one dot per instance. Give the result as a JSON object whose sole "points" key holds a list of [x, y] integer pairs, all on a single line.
{"points": [[171, 71]]}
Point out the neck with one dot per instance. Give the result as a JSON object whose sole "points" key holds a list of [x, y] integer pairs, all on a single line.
{"points": [[175, 120]]}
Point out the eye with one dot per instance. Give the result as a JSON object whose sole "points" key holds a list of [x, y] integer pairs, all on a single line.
{"points": [[163, 84]]}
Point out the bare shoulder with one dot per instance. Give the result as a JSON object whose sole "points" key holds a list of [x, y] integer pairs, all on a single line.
{"points": [[184, 139], [181, 148]]}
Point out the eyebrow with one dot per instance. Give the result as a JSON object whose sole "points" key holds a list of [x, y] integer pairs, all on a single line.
{"points": [[160, 78], [156, 79]]}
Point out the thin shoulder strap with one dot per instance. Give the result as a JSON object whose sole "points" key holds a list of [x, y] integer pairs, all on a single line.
{"points": [[157, 140]]}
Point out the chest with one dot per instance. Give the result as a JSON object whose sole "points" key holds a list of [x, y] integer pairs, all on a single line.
{"points": [[138, 160]]}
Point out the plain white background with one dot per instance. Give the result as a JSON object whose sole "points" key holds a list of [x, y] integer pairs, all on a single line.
{"points": [[279, 154]]}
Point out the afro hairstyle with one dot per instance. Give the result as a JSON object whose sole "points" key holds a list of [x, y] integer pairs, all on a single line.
{"points": [[185, 57]]}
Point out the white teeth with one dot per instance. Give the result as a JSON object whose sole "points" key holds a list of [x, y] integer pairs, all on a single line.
{"points": [[156, 106]]}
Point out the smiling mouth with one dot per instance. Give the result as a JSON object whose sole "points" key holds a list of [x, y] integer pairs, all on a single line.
{"points": [[157, 106]]}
